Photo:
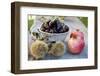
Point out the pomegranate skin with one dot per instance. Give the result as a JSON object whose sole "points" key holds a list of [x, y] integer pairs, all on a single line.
{"points": [[81, 35], [75, 46], [76, 42]]}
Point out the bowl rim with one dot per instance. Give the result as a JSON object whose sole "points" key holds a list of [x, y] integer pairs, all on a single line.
{"points": [[52, 33]]}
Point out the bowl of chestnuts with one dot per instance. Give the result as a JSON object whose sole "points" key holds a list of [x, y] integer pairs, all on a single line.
{"points": [[54, 30]]}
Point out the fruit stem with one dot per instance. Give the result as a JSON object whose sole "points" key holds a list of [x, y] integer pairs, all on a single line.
{"points": [[77, 30]]}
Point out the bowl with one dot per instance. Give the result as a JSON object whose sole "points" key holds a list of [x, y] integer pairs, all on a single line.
{"points": [[54, 36]]}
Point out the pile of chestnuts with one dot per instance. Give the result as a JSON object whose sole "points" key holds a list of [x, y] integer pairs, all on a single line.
{"points": [[54, 26]]}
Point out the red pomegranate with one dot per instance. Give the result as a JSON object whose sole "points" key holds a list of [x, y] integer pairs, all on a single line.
{"points": [[76, 42]]}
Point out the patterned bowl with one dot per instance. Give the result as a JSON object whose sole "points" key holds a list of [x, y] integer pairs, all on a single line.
{"points": [[54, 36]]}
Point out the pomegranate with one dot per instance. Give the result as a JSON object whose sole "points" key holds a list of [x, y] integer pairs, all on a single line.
{"points": [[76, 42]]}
